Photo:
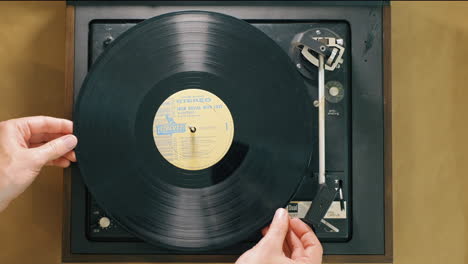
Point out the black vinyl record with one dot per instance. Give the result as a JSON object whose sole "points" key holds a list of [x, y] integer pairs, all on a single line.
{"points": [[166, 204]]}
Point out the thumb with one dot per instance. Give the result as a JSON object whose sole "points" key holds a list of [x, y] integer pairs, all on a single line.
{"points": [[276, 234], [55, 149]]}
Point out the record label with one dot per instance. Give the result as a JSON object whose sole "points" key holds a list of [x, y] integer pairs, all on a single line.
{"points": [[193, 129]]}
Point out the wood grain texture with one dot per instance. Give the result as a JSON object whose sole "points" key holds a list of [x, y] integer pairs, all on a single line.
{"points": [[430, 128], [69, 78], [388, 161]]}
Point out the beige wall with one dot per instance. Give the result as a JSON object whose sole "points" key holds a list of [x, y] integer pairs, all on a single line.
{"points": [[31, 83], [430, 128]]}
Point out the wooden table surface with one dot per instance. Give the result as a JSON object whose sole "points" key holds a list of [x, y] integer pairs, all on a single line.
{"points": [[430, 128]]}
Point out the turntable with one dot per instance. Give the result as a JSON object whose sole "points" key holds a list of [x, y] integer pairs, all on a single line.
{"points": [[288, 104]]}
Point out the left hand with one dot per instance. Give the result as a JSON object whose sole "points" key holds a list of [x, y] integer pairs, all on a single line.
{"points": [[285, 241], [26, 145]]}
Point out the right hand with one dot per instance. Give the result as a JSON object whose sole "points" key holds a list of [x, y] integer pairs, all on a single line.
{"points": [[285, 241]]}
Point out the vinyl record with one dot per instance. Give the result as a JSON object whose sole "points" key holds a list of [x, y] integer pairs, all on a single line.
{"points": [[193, 128]]}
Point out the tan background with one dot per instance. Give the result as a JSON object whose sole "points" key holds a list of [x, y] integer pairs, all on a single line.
{"points": [[430, 128]]}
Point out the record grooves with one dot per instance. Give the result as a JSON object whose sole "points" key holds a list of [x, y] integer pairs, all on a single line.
{"points": [[183, 209]]}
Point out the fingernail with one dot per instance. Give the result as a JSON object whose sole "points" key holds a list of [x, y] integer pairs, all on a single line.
{"points": [[70, 141], [280, 214]]}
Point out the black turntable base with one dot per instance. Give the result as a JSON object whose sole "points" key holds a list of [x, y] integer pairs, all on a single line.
{"points": [[107, 217]]}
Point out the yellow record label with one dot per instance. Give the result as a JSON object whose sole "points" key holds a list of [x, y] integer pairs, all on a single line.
{"points": [[193, 129]]}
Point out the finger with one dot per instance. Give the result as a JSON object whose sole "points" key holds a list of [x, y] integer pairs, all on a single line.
{"points": [[60, 162], [44, 137], [286, 248], [35, 145], [309, 240], [45, 124], [276, 234], [54, 149], [295, 244], [71, 156]]}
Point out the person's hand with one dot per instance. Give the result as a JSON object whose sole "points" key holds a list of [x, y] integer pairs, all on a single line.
{"points": [[26, 145], [285, 241]]}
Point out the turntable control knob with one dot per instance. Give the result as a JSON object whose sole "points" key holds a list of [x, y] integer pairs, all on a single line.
{"points": [[104, 222], [334, 91]]}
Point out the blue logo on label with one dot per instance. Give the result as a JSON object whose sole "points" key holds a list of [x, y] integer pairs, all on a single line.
{"points": [[170, 128]]}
